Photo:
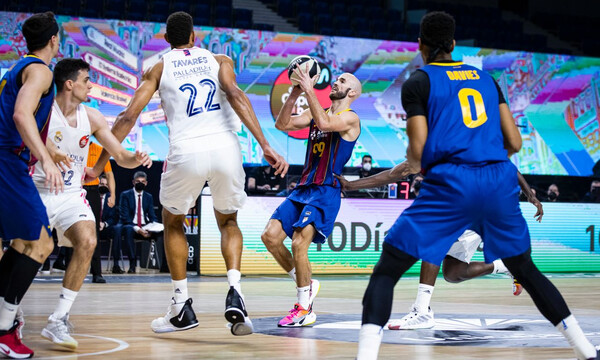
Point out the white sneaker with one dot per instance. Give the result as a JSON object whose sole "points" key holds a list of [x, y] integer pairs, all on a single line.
{"points": [[414, 320], [20, 317], [180, 316], [59, 332], [315, 286]]}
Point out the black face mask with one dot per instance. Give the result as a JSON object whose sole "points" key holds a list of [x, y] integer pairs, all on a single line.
{"points": [[595, 191], [552, 196], [103, 189], [139, 186]]}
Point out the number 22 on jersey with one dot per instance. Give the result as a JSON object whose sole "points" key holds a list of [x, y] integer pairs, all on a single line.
{"points": [[465, 96], [208, 104]]}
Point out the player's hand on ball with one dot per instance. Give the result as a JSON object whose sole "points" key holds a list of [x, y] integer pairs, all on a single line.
{"points": [[143, 158], [276, 161], [305, 82]]}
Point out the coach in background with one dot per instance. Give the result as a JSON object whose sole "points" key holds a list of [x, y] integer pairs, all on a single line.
{"points": [[136, 208]]}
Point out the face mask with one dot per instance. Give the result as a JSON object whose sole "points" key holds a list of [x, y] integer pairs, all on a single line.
{"points": [[366, 166], [103, 189], [596, 191], [552, 195], [139, 186]]}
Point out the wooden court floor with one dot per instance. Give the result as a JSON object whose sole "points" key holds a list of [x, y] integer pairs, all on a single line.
{"points": [[112, 320]]}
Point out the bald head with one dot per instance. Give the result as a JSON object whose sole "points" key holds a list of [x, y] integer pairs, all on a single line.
{"points": [[346, 85]]}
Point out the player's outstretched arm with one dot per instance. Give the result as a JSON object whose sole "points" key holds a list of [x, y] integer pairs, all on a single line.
{"points": [[243, 108], [512, 136], [395, 174], [285, 120], [107, 139], [36, 80], [127, 118], [531, 197]]}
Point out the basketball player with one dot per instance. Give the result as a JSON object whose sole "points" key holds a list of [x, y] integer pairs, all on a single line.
{"points": [[26, 95], [469, 180], [309, 212], [203, 106], [71, 125], [457, 265]]}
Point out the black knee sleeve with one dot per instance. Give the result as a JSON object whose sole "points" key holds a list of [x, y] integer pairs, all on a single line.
{"points": [[377, 301], [545, 295]]}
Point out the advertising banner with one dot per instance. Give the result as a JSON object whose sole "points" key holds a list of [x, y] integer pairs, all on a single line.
{"points": [[567, 240]]}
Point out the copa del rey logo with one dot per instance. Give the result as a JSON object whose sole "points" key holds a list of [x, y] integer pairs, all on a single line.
{"points": [[83, 141]]}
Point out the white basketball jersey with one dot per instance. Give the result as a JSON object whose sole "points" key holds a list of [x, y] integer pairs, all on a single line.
{"points": [[74, 141], [191, 96]]}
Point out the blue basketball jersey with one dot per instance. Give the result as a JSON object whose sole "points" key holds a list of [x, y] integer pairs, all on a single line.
{"points": [[10, 139], [326, 154], [463, 116]]}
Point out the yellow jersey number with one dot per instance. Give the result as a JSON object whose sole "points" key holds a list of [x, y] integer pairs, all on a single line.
{"points": [[480, 117], [318, 148]]}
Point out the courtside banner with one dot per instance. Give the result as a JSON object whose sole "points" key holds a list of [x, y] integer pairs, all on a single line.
{"points": [[567, 239]]}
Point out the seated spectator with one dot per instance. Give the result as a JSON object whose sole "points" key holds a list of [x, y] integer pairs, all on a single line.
{"points": [[366, 166], [264, 180], [593, 196], [552, 193], [109, 226], [415, 185], [136, 209], [292, 182]]}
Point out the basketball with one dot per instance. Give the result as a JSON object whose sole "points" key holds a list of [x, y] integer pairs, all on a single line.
{"points": [[304, 61]]}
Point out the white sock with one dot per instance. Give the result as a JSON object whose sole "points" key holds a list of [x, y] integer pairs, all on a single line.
{"points": [[369, 339], [570, 329], [499, 267], [304, 296], [180, 290], [65, 301], [8, 312], [292, 274], [233, 278], [423, 297]]}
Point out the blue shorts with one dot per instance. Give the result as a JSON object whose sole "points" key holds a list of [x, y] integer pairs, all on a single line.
{"points": [[22, 213], [454, 197], [316, 205]]}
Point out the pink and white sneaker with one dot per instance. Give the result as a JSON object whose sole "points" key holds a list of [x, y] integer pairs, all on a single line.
{"points": [[298, 316]]}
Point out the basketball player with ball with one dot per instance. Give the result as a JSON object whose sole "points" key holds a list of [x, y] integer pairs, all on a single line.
{"points": [[308, 214]]}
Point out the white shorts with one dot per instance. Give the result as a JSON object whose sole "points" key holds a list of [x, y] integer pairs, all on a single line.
{"points": [[217, 159], [466, 245], [64, 210]]}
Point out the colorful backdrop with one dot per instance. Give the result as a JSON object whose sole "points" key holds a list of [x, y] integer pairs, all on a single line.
{"points": [[555, 98]]}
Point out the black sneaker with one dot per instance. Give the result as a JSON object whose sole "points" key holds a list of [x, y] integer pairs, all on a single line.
{"points": [[236, 314], [180, 316]]}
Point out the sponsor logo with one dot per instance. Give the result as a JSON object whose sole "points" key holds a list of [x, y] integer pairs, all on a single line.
{"points": [[84, 141], [113, 72], [110, 47], [305, 219], [180, 317]]}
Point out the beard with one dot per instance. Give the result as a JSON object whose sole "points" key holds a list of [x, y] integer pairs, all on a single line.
{"points": [[338, 95]]}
